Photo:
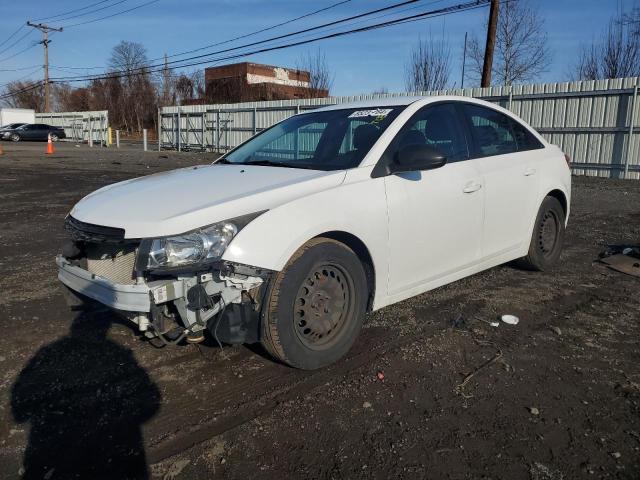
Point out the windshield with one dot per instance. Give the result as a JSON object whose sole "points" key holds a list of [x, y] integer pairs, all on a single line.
{"points": [[326, 140]]}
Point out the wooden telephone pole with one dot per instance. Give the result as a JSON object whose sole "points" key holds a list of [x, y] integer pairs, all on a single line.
{"points": [[45, 29], [491, 44]]}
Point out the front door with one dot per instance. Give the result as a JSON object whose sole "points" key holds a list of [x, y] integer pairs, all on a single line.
{"points": [[435, 216]]}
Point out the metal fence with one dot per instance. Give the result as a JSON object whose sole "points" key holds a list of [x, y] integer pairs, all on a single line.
{"points": [[90, 127], [595, 122]]}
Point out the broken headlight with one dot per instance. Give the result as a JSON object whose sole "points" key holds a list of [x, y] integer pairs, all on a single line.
{"points": [[191, 248]]}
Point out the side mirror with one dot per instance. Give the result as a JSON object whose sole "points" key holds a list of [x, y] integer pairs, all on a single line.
{"points": [[417, 157]]}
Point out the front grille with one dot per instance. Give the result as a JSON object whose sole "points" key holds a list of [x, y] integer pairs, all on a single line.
{"points": [[87, 232], [114, 262]]}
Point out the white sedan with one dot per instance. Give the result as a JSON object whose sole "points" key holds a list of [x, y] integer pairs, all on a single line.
{"points": [[293, 236]]}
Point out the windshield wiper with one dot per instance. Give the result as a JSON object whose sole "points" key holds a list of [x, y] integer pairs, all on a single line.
{"points": [[222, 161], [270, 163]]}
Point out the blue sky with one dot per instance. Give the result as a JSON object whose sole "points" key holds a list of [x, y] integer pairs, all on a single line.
{"points": [[361, 63]]}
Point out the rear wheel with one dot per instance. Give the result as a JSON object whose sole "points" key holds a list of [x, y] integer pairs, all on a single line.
{"points": [[15, 137], [547, 239], [316, 305]]}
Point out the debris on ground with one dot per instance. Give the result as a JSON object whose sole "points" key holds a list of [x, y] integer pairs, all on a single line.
{"points": [[622, 258], [534, 411], [510, 319]]}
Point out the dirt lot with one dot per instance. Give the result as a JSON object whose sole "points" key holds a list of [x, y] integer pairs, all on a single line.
{"points": [[555, 397]]}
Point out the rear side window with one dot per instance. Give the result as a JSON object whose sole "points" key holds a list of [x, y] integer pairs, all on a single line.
{"points": [[524, 138], [491, 131], [435, 125]]}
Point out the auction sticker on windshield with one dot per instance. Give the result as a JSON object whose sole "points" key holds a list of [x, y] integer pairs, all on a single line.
{"points": [[376, 112]]}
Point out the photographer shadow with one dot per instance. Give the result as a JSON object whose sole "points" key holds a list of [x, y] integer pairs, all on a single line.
{"points": [[85, 398]]}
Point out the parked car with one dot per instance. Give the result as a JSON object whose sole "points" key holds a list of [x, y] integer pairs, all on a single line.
{"points": [[290, 238], [34, 132], [10, 126]]}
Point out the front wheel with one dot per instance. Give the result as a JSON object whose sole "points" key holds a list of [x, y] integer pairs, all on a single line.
{"points": [[54, 137], [15, 137], [316, 305], [547, 239]]}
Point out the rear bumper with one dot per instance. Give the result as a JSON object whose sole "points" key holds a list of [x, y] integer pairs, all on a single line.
{"points": [[131, 298]]}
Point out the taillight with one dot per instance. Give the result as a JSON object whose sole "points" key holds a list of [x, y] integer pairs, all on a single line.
{"points": [[568, 160]]}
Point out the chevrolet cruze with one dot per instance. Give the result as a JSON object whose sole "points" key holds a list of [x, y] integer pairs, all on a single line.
{"points": [[290, 238]]}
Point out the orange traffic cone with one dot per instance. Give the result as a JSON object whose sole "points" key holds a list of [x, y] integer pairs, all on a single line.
{"points": [[1, 152], [50, 149]]}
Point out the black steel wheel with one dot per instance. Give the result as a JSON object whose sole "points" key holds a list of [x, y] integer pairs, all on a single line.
{"points": [[322, 306], [316, 305], [548, 237]]}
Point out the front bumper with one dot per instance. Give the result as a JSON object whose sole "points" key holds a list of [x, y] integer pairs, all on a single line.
{"points": [[131, 298]]}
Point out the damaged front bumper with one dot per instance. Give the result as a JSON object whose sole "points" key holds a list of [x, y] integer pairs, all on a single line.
{"points": [[128, 298], [226, 300]]}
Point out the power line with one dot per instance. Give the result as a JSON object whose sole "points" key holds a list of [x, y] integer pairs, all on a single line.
{"points": [[407, 19], [306, 15], [16, 42], [280, 37], [110, 16], [19, 69], [18, 53], [151, 69], [74, 10], [13, 34], [92, 11]]}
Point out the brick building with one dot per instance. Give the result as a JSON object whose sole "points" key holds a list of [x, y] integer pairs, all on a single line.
{"points": [[247, 82]]}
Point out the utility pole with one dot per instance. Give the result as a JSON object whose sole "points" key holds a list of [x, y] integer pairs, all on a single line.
{"points": [[491, 43], [464, 60], [45, 29]]}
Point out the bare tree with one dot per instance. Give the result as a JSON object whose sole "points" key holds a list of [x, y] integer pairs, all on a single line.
{"points": [[429, 66], [134, 100], [321, 78], [24, 94], [380, 91], [521, 50], [617, 54]]}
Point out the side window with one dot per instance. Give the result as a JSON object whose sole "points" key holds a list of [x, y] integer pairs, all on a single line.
{"points": [[438, 126], [524, 138], [491, 130]]}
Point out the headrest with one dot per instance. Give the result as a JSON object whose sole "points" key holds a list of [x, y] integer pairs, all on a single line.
{"points": [[364, 136], [437, 132], [487, 135], [413, 137]]}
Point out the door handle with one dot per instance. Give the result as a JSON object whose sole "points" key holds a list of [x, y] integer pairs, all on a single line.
{"points": [[472, 187], [530, 171]]}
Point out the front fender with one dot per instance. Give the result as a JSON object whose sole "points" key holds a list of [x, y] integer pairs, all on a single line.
{"points": [[356, 207]]}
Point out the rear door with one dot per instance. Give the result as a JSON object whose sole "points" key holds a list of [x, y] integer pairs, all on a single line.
{"points": [[42, 133], [435, 216], [511, 179]]}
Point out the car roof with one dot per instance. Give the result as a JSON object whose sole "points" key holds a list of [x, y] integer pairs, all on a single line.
{"points": [[403, 101]]}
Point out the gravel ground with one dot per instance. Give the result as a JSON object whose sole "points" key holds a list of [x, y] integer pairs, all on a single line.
{"points": [[555, 397]]}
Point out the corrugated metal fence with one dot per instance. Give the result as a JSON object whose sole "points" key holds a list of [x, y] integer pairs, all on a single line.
{"points": [[79, 126], [595, 122]]}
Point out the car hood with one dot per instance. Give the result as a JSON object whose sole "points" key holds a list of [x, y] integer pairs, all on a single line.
{"points": [[177, 201]]}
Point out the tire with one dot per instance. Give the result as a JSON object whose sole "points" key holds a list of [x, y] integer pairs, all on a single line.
{"points": [[54, 137], [15, 137], [315, 306], [547, 239]]}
